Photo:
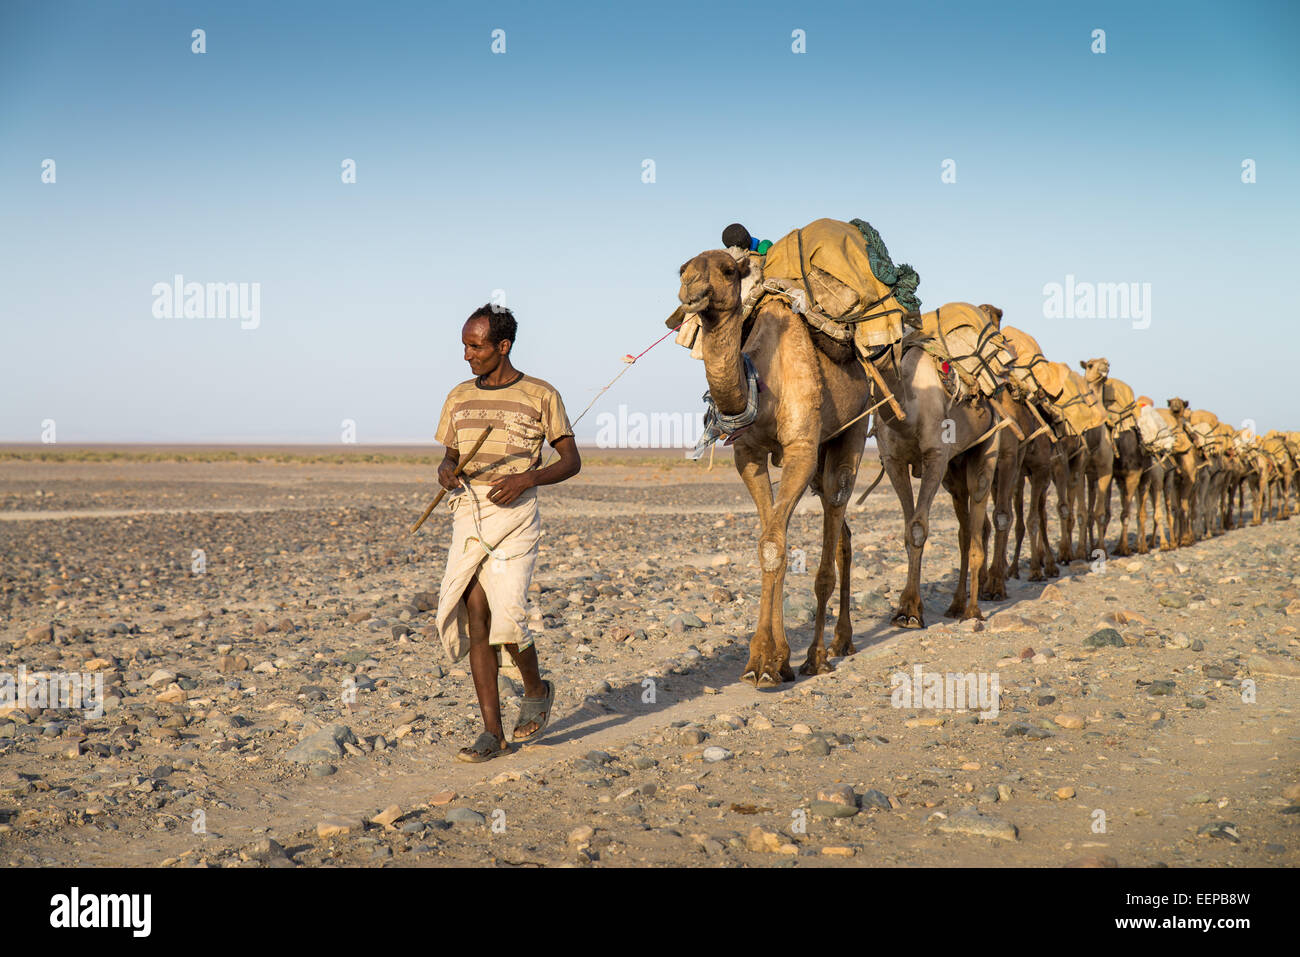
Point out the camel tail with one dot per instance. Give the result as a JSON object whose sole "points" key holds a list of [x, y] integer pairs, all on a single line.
{"points": [[871, 488]]}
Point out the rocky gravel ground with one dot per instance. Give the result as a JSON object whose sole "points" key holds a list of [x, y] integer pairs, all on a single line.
{"points": [[274, 694]]}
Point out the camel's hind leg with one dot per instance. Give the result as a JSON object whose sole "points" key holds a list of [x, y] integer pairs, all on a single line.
{"points": [[1019, 503], [843, 644], [835, 485], [1038, 486]]}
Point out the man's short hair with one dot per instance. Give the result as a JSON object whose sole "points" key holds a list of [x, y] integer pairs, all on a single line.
{"points": [[501, 322]]}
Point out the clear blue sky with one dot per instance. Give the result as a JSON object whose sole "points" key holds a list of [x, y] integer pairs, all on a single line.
{"points": [[522, 172]]}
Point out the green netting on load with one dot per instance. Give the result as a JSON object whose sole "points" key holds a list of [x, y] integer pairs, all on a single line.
{"points": [[902, 278]]}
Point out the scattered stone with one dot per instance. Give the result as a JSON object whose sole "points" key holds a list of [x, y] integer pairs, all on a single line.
{"points": [[387, 817], [873, 798], [832, 809], [338, 825], [972, 822], [464, 815], [324, 745], [1104, 638], [1276, 665], [1224, 830]]}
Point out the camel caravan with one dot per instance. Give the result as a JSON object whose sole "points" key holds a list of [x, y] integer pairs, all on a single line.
{"points": [[809, 340]]}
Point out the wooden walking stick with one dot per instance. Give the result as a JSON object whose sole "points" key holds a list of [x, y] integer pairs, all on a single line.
{"points": [[880, 383], [460, 467]]}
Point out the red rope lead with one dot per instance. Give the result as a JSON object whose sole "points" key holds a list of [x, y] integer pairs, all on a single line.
{"points": [[629, 359]]}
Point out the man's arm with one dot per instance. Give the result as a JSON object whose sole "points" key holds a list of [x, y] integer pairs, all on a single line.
{"points": [[506, 490]]}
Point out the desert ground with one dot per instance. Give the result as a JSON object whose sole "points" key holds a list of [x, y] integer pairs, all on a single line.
{"points": [[287, 703]]}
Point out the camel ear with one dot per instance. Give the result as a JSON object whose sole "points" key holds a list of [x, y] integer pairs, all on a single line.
{"points": [[743, 265], [1083, 365]]}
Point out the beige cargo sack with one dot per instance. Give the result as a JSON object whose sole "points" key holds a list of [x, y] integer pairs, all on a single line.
{"points": [[1029, 362], [963, 334], [828, 258], [1076, 404], [1121, 405]]}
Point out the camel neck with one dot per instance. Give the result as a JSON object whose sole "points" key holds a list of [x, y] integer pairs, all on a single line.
{"points": [[723, 366]]}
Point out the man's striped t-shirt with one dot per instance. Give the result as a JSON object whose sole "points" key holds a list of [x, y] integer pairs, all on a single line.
{"points": [[521, 414]]}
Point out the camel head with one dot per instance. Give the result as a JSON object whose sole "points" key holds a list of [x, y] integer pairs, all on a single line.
{"points": [[1180, 407], [711, 285], [1096, 370], [994, 314]]}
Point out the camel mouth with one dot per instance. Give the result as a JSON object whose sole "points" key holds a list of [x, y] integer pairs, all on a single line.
{"points": [[696, 305]]}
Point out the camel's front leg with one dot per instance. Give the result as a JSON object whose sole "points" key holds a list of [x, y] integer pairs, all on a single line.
{"points": [[980, 473], [910, 613], [1160, 515], [1080, 504], [769, 651], [1006, 478], [1101, 517], [752, 465], [1142, 492], [1186, 514], [956, 485], [1126, 495]]}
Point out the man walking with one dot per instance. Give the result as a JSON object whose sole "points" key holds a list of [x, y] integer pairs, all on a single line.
{"points": [[496, 528]]}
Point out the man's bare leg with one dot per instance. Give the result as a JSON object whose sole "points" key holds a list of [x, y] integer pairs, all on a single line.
{"points": [[483, 658]]}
